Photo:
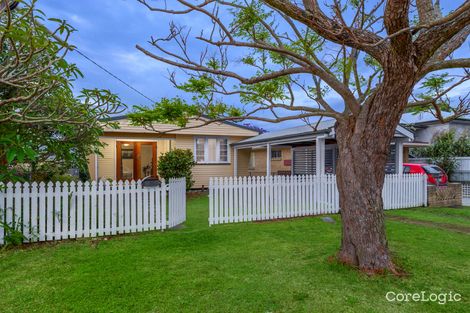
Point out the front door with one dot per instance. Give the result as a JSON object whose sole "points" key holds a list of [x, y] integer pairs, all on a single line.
{"points": [[136, 160]]}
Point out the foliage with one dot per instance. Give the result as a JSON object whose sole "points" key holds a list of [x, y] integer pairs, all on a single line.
{"points": [[445, 147], [167, 110], [43, 124], [433, 89], [13, 231], [179, 112], [177, 163]]}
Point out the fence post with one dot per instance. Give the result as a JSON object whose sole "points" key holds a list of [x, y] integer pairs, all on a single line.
{"points": [[211, 201], [163, 192], [425, 183], [25, 217], [2, 211]]}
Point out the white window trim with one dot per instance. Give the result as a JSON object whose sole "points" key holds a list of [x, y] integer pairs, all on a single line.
{"points": [[217, 151], [276, 159]]}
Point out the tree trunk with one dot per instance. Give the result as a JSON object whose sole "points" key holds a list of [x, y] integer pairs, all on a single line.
{"points": [[364, 144]]}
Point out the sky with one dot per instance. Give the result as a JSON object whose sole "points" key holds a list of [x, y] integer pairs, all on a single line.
{"points": [[108, 31]]}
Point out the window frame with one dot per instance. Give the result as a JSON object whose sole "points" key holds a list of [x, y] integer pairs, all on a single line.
{"points": [[276, 158], [217, 150]]}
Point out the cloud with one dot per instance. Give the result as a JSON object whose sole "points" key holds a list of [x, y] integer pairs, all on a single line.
{"points": [[137, 63], [78, 21], [460, 91]]}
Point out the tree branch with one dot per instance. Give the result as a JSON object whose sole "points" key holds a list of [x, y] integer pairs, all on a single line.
{"points": [[442, 65], [330, 29], [440, 32]]}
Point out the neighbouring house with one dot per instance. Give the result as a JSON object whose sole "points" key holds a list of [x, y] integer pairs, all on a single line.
{"points": [[426, 130], [303, 150], [132, 152]]}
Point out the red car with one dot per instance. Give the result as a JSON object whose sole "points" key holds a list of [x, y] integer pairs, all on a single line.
{"points": [[436, 175]]}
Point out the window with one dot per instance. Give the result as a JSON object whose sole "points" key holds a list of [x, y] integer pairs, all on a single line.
{"points": [[429, 169], [200, 149], [222, 145], [276, 154], [211, 150]]}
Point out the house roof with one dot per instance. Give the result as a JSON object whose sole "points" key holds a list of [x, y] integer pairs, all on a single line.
{"points": [[307, 132], [459, 120], [125, 116], [292, 132]]}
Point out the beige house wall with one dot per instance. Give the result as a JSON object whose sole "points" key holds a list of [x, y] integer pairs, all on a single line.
{"points": [[276, 165], [243, 163], [91, 166], [107, 162], [202, 172], [183, 139]]}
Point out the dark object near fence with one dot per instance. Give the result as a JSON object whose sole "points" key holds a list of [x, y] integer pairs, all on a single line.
{"points": [[151, 182]]}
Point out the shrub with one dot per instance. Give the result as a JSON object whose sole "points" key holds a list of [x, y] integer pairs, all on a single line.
{"points": [[13, 231], [445, 147], [177, 163]]}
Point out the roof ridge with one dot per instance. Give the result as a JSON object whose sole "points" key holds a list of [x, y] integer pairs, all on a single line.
{"points": [[231, 123]]}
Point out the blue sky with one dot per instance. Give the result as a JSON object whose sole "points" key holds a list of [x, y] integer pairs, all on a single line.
{"points": [[108, 30]]}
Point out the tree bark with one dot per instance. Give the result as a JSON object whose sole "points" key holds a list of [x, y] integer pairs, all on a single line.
{"points": [[364, 144]]}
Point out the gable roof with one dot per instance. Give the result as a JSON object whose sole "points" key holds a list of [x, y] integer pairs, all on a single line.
{"points": [[194, 128], [125, 117], [291, 132]]}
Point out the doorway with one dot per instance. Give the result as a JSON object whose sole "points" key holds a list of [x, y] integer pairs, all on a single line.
{"points": [[136, 160]]}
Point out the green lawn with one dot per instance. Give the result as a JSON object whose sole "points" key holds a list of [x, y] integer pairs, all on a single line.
{"points": [[254, 267], [454, 216]]}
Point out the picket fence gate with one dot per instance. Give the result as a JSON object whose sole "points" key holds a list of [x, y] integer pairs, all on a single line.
{"points": [[242, 199], [61, 210]]}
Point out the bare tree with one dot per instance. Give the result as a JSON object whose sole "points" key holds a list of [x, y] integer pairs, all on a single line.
{"points": [[378, 58]]}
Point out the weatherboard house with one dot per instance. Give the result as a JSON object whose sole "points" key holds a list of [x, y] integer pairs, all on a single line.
{"points": [[224, 149]]}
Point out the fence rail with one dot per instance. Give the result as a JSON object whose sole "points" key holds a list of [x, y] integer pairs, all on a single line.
{"points": [[241, 199], [44, 212]]}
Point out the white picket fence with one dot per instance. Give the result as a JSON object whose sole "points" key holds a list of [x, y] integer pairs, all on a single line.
{"points": [[242, 199], [44, 212]]}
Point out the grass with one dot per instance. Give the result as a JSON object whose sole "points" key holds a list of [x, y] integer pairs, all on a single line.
{"points": [[453, 216], [253, 267]]}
